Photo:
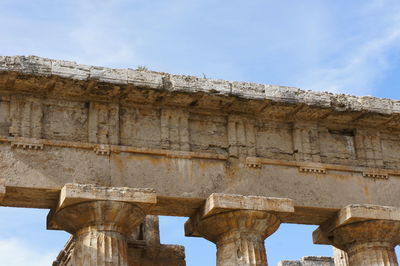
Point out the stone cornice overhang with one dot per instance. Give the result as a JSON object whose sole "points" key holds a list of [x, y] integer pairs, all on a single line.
{"points": [[66, 79]]}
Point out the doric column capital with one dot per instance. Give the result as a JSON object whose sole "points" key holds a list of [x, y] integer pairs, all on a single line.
{"points": [[88, 205], [101, 220], [117, 216], [238, 226], [367, 233], [242, 222], [384, 231]]}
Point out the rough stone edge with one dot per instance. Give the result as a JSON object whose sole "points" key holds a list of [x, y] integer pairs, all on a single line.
{"points": [[76, 193], [352, 214], [219, 202], [156, 80]]}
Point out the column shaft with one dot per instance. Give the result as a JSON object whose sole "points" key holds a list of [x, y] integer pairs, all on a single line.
{"points": [[369, 243], [372, 254], [340, 257], [238, 248], [100, 248], [239, 236]]}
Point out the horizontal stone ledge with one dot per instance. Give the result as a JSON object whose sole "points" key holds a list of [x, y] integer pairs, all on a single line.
{"points": [[77, 193], [218, 202], [322, 168], [32, 143], [37, 66], [252, 162]]}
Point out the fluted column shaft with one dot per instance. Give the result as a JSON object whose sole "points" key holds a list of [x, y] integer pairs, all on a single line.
{"points": [[372, 253], [100, 229], [239, 236], [340, 257], [369, 243], [99, 247], [249, 247]]}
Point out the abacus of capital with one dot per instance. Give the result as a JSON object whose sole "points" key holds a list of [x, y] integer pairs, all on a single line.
{"points": [[109, 150]]}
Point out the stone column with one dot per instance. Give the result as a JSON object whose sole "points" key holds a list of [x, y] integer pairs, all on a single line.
{"points": [[368, 234], [369, 242], [238, 225], [340, 257], [101, 220]]}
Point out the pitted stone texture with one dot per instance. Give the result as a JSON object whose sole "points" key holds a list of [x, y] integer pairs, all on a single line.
{"points": [[370, 242], [101, 219], [367, 233], [238, 225], [239, 236], [41, 66], [340, 257], [144, 248], [309, 261], [101, 229]]}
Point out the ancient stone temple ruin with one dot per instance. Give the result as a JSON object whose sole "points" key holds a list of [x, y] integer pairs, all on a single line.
{"points": [[109, 150]]}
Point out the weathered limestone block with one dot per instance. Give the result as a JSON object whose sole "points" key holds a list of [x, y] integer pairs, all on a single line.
{"points": [[103, 123], [175, 129], [305, 142], [238, 225], [369, 147], [241, 136], [367, 233], [189, 137], [26, 117], [309, 261], [101, 221]]}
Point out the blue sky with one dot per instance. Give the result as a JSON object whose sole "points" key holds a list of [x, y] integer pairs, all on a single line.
{"points": [[340, 46]]}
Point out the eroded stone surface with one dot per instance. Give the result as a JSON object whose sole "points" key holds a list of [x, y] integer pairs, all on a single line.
{"points": [[309, 261], [144, 248], [238, 225], [186, 137], [368, 234], [101, 220]]}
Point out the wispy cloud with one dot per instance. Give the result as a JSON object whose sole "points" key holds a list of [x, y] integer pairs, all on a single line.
{"points": [[366, 60], [14, 252]]}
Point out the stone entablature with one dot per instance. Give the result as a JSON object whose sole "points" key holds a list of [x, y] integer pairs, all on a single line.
{"points": [[104, 148], [124, 120]]}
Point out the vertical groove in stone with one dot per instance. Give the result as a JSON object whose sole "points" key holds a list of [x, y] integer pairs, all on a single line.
{"points": [[340, 257], [369, 243], [372, 253], [101, 229], [237, 248], [239, 236], [100, 248]]}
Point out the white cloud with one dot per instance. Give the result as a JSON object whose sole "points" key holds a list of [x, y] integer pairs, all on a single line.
{"points": [[14, 252], [366, 60]]}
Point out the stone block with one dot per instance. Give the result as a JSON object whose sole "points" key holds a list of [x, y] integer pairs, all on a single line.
{"points": [[76, 193], [218, 202]]}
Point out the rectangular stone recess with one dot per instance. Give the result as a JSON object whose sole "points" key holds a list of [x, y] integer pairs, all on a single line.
{"points": [[75, 193], [355, 213], [217, 203]]}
